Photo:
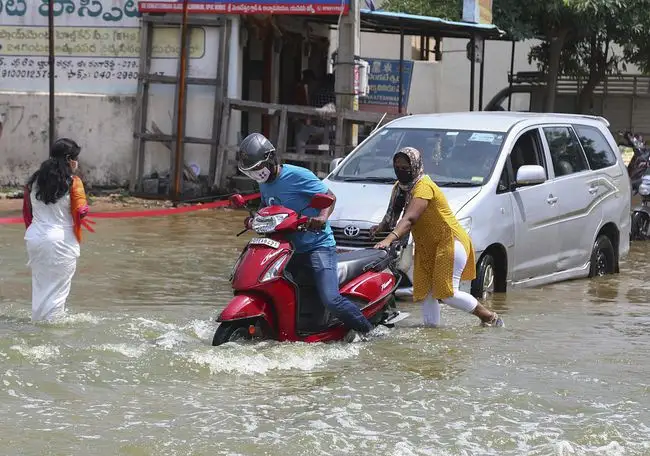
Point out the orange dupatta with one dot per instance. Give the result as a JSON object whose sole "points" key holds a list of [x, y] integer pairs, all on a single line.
{"points": [[79, 206]]}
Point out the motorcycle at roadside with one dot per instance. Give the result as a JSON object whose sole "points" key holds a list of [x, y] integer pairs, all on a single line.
{"points": [[640, 225], [639, 172], [274, 300]]}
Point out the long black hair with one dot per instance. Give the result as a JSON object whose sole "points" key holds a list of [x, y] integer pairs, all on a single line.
{"points": [[54, 178]]}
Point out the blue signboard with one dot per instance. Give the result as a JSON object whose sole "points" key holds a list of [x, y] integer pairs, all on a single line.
{"points": [[302, 7], [383, 80]]}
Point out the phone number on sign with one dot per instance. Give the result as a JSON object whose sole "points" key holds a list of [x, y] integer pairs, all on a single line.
{"points": [[122, 75], [31, 74], [78, 74]]}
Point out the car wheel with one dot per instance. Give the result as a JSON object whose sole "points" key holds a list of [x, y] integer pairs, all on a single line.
{"points": [[484, 284], [603, 258]]}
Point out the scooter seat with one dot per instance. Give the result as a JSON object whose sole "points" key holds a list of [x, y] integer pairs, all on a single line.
{"points": [[351, 264]]}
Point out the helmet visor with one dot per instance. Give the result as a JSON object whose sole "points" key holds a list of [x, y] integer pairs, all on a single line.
{"points": [[259, 173], [244, 166]]}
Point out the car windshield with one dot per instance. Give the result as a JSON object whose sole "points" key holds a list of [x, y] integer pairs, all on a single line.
{"points": [[462, 158]]}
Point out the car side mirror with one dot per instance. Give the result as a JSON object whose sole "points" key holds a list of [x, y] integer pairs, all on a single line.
{"points": [[334, 163], [530, 175], [237, 201], [321, 201]]}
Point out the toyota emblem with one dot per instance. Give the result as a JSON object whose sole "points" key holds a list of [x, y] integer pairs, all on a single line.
{"points": [[351, 231]]}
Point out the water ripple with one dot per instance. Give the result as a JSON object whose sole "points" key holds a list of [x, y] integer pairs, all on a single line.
{"points": [[130, 370]]}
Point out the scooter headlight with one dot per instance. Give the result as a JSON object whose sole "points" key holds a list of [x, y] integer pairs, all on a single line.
{"points": [[267, 224]]}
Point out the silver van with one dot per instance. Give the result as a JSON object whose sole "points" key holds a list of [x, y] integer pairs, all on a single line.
{"points": [[544, 197]]}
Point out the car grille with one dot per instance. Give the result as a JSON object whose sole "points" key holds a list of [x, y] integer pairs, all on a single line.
{"points": [[360, 241]]}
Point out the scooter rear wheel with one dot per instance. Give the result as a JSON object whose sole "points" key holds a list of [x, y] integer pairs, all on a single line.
{"points": [[229, 332]]}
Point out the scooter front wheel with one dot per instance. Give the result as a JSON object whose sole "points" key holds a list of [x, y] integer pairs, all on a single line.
{"points": [[231, 332]]}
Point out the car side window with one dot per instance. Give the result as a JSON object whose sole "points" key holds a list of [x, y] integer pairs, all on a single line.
{"points": [[566, 153], [527, 151], [599, 153]]}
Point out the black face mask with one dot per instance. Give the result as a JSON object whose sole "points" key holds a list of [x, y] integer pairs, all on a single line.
{"points": [[404, 176]]}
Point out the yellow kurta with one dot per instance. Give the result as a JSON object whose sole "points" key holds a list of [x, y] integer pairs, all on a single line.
{"points": [[434, 235]]}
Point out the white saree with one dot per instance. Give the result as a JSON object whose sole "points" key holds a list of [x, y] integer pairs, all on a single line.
{"points": [[53, 250]]}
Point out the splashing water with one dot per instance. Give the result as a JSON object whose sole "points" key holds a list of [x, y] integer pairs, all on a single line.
{"points": [[130, 370]]}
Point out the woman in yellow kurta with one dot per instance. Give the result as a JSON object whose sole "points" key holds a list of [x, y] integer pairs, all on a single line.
{"points": [[443, 250]]}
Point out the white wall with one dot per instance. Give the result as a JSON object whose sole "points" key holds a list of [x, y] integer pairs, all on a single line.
{"points": [[454, 93], [104, 124], [101, 125]]}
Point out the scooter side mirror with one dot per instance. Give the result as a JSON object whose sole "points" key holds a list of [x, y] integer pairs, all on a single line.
{"points": [[321, 201], [237, 201]]}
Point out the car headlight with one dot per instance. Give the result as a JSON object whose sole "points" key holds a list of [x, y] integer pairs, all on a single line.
{"points": [[267, 224], [466, 223]]}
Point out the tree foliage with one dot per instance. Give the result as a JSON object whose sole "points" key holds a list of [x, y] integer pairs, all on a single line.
{"points": [[578, 37]]}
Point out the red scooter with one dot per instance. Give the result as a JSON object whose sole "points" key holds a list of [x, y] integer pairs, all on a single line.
{"points": [[274, 300]]}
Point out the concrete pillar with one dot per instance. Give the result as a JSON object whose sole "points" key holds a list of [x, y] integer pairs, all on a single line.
{"points": [[234, 76], [348, 48]]}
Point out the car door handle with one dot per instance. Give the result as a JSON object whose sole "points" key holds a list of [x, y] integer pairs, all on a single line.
{"points": [[551, 199], [593, 189]]}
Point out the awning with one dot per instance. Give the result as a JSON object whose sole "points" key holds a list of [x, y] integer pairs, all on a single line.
{"points": [[389, 22], [411, 24]]}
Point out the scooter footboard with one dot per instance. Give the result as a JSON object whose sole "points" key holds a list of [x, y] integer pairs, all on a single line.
{"points": [[243, 307]]}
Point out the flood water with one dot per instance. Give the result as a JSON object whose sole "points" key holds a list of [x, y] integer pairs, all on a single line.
{"points": [[131, 370]]}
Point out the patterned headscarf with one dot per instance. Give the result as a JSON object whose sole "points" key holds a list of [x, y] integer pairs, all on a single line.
{"points": [[401, 195]]}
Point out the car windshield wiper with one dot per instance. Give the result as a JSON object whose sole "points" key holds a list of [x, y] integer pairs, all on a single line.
{"points": [[458, 184], [379, 180]]}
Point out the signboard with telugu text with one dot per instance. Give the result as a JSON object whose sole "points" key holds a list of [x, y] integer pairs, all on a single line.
{"points": [[383, 80], [284, 7], [97, 47]]}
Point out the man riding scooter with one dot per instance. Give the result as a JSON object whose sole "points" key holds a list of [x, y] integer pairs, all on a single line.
{"points": [[293, 187]]}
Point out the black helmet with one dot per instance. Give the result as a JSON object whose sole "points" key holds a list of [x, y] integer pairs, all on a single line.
{"points": [[65, 148], [257, 159]]}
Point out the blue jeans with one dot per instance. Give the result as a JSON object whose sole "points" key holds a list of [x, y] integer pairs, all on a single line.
{"points": [[324, 266]]}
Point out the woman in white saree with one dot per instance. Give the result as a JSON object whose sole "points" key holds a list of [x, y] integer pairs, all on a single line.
{"points": [[54, 206]]}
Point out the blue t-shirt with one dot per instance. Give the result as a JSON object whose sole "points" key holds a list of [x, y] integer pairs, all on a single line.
{"points": [[293, 188]]}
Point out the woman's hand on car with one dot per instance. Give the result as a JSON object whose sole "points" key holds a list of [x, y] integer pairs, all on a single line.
{"points": [[385, 244]]}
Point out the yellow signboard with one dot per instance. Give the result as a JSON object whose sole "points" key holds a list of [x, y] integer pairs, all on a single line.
{"points": [[485, 11]]}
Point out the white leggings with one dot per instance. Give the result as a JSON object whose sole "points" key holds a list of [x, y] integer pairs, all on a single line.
{"points": [[460, 300]]}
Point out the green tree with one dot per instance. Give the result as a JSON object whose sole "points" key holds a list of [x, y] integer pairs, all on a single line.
{"points": [[588, 52], [577, 35], [634, 36], [577, 38], [552, 21]]}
